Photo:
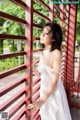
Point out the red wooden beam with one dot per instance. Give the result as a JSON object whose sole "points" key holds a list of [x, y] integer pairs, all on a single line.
{"points": [[37, 117], [18, 106], [36, 88], [20, 3], [37, 26], [36, 96], [2, 36], [12, 85], [4, 56], [41, 15], [12, 99], [35, 81], [36, 38], [20, 114], [10, 17], [34, 113], [11, 71], [60, 9], [43, 4]]}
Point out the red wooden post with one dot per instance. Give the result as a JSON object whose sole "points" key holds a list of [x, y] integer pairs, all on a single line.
{"points": [[61, 15], [51, 12], [29, 43], [66, 42], [71, 47]]}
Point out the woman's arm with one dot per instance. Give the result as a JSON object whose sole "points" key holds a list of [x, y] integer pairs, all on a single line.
{"points": [[54, 76]]}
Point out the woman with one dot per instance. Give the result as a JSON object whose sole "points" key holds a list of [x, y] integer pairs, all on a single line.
{"points": [[53, 102]]}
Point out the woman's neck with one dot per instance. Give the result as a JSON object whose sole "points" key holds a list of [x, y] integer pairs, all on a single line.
{"points": [[47, 47]]}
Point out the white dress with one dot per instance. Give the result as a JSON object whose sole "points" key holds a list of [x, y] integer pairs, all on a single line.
{"points": [[56, 107]]}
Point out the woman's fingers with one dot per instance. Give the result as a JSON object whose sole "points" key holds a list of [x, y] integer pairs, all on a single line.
{"points": [[30, 106], [34, 106]]}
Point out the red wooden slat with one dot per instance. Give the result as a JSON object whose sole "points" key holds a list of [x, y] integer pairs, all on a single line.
{"points": [[24, 117], [37, 26], [36, 96], [36, 87], [36, 117], [11, 71], [43, 4], [34, 113], [11, 85], [36, 38], [41, 15], [3, 56], [13, 99], [15, 108], [35, 81], [60, 10], [55, 15], [19, 115], [39, 118], [10, 17], [12, 37], [20, 3]]}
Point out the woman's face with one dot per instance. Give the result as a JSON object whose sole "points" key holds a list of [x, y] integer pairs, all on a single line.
{"points": [[46, 37]]}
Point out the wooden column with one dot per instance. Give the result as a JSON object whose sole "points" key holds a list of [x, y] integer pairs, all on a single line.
{"points": [[29, 43]]}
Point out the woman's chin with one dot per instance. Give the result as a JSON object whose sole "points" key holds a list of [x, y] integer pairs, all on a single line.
{"points": [[41, 41]]}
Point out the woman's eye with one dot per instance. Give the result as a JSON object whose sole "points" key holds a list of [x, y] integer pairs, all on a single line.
{"points": [[45, 33]]}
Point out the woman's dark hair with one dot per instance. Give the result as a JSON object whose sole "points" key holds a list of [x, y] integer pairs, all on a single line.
{"points": [[57, 35]]}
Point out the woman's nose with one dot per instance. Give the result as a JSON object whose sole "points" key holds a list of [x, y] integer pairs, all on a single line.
{"points": [[42, 34]]}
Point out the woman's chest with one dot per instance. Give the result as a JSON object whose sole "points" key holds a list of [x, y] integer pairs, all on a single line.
{"points": [[47, 59]]}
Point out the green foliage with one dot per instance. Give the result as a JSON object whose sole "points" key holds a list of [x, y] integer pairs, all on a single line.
{"points": [[1, 50], [10, 63], [13, 48]]}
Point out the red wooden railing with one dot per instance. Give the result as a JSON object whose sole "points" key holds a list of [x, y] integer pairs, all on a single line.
{"points": [[30, 92]]}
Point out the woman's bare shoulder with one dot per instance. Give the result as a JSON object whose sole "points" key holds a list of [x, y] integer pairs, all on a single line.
{"points": [[56, 53]]}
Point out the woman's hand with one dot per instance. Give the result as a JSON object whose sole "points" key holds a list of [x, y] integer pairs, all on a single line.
{"points": [[35, 105]]}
